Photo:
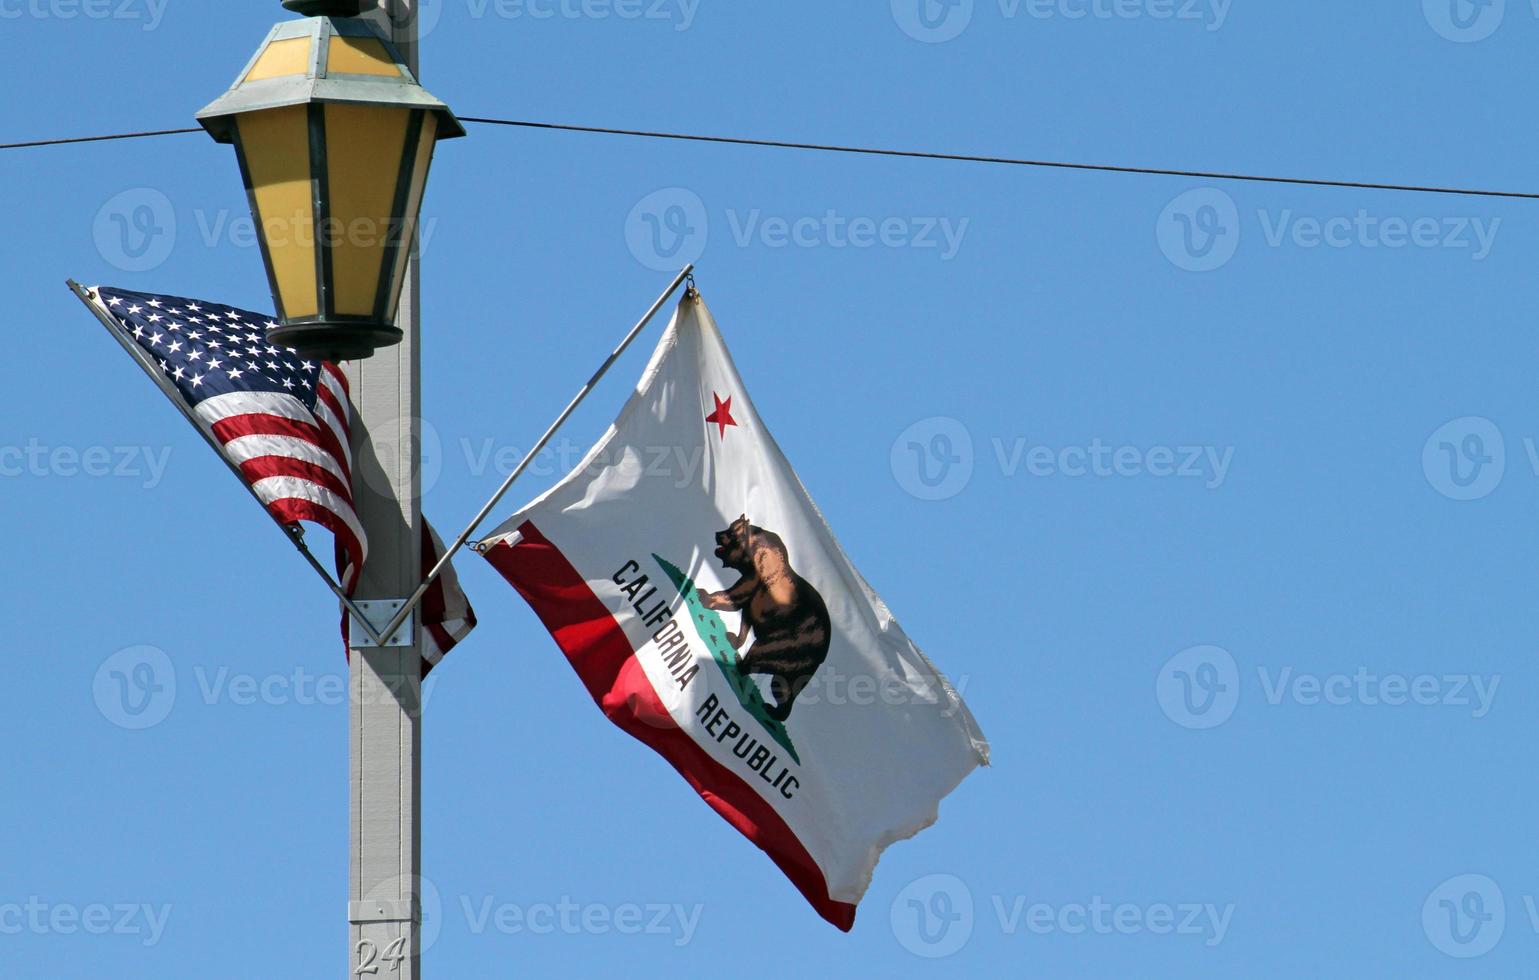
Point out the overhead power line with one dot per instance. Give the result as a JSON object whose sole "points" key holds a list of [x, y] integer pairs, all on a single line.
{"points": [[880, 152], [97, 139]]}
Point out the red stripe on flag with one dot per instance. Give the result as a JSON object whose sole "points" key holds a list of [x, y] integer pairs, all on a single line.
{"points": [[435, 601], [442, 637], [326, 395], [263, 424], [341, 409], [433, 604], [263, 467], [603, 657], [291, 510], [338, 375]]}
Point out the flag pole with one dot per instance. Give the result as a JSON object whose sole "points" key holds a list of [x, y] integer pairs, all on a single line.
{"points": [[400, 617], [293, 532]]}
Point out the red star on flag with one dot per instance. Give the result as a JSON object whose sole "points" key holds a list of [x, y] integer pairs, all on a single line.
{"points": [[722, 417]]}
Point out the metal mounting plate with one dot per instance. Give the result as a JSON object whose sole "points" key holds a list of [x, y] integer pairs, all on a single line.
{"points": [[379, 613]]}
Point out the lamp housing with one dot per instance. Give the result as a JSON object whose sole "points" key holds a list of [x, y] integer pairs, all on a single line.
{"points": [[334, 136]]}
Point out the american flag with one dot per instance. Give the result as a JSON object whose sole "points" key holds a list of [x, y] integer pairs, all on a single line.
{"points": [[284, 422]]}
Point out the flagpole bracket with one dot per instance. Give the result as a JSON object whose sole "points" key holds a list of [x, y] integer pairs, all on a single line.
{"points": [[378, 614], [687, 273]]}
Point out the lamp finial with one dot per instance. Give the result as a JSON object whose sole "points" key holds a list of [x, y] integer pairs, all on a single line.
{"points": [[325, 8]]}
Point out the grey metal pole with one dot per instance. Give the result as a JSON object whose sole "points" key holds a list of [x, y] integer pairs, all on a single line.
{"points": [[385, 706]]}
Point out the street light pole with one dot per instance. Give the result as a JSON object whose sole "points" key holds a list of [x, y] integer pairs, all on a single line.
{"points": [[334, 136], [385, 707]]}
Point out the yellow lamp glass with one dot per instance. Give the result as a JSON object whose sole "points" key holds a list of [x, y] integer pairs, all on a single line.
{"points": [[426, 142], [363, 196], [360, 56], [275, 151], [335, 138], [282, 58]]}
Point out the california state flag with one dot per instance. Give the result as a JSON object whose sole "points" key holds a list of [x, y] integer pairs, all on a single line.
{"points": [[700, 596]]}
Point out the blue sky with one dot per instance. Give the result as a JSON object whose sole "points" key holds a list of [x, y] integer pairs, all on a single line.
{"points": [[1217, 499]]}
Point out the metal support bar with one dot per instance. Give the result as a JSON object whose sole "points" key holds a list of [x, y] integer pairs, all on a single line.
{"points": [[294, 533], [566, 413]]}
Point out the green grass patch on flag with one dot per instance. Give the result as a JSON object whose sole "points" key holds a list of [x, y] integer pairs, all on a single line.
{"points": [[708, 624]]}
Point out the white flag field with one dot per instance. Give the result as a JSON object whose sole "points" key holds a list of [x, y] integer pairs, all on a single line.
{"points": [[698, 593]]}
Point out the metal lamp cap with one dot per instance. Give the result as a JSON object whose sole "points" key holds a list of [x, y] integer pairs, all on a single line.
{"points": [[325, 8]]}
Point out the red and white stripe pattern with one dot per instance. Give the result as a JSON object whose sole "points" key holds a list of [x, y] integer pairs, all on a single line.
{"points": [[297, 461], [286, 425], [446, 615]]}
